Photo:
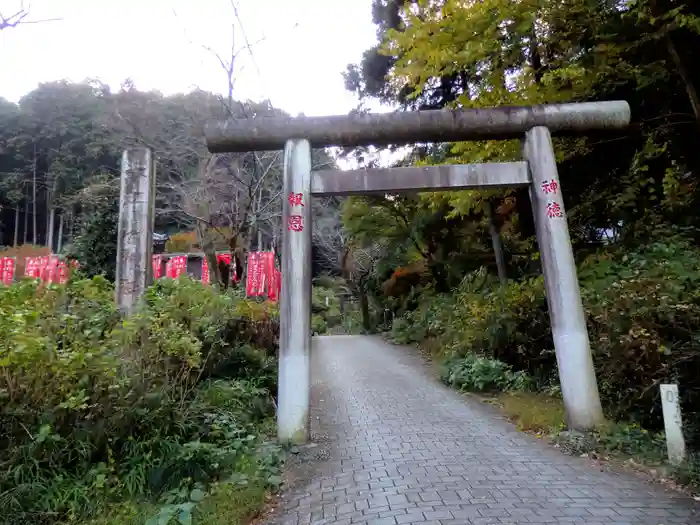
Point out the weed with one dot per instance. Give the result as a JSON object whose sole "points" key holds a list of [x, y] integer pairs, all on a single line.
{"points": [[533, 412]]}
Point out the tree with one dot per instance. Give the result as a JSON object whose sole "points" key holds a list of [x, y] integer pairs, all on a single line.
{"points": [[358, 269], [452, 54], [95, 246]]}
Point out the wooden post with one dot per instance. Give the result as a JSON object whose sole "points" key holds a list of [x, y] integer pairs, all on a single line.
{"points": [[576, 373], [294, 388], [15, 239], [59, 242], [135, 231], [50, 229], [673, 423], [497, 244]]}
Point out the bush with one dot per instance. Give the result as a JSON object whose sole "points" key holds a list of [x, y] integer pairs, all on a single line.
{"points": [[318, 325], [480, 374], [329, 313], [644, 316], [183, 242], [96, 409], [95, 247]]}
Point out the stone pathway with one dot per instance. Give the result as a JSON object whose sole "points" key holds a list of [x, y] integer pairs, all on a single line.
{"points": [[402, 449]]}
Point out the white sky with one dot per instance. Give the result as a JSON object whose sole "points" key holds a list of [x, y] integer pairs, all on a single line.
{"points": [[159, 45]]}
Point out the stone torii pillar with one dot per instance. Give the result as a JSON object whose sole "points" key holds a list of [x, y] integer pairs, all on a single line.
{"points": [[531, 124], [135, 230]]}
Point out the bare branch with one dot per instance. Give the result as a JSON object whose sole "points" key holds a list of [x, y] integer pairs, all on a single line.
{"points": [[21, 17]]}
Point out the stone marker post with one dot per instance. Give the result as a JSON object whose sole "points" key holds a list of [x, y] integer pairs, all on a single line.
{"points": [[569, 332], [673, 423], [295, 301], [135, 231]]}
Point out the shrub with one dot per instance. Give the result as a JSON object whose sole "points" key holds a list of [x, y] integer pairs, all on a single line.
{"points": [[644, 315], [95, 247], [330, 313], [183, 242], [95, 408], [318, 325], [480, 374]]}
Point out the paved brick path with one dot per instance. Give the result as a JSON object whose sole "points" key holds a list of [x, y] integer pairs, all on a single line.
{"points": [[403, 449]]}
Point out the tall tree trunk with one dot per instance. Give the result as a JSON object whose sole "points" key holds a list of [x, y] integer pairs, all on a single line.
{"points": [[50, 228], [59, 242], [26, 220], [15, 240], [71, 230], [209, 254], [682, 71], [497, 244], [364, 308], [535, 57], [34, 236]]}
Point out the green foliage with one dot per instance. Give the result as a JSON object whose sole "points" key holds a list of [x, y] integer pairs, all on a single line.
{"points": [[325, 308], [352, 321], [689, 472], [97, 409], [472, 373], [95, 246], [318, 325], [643, 313], [632, 440]]}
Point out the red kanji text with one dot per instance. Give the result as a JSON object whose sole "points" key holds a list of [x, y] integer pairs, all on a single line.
{"points": [[550, 186], [295, 223], [296, 199], [554, 210]]}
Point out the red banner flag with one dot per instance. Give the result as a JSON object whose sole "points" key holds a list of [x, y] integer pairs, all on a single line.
{"points": [[32, 267], [62, 273], [157, 262], [220, 257], [255, 282], [176, 266], [205, 270], [275, 285], [49, 272], [268, 269], [7, 270]]}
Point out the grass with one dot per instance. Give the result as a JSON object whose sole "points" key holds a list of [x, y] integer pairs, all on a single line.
{"points": [[232, 504], [532, 412], [127, 513], [236, 501], [228, 504]]}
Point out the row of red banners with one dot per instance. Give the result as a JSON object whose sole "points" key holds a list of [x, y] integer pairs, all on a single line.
{"points": [[177, 266], [49, 268], [263, 278]]}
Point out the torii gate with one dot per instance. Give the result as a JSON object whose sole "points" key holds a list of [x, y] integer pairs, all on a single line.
{"points": [[538, 171]]}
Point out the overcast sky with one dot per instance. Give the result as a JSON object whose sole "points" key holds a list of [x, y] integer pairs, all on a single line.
{"points": [[300, 47]]}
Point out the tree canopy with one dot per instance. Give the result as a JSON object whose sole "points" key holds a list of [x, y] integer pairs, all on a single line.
{"points": [[465, 54]]}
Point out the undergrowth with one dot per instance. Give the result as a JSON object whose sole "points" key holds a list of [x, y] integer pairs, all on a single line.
{"points": [[643, 312], [142, 413]]}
